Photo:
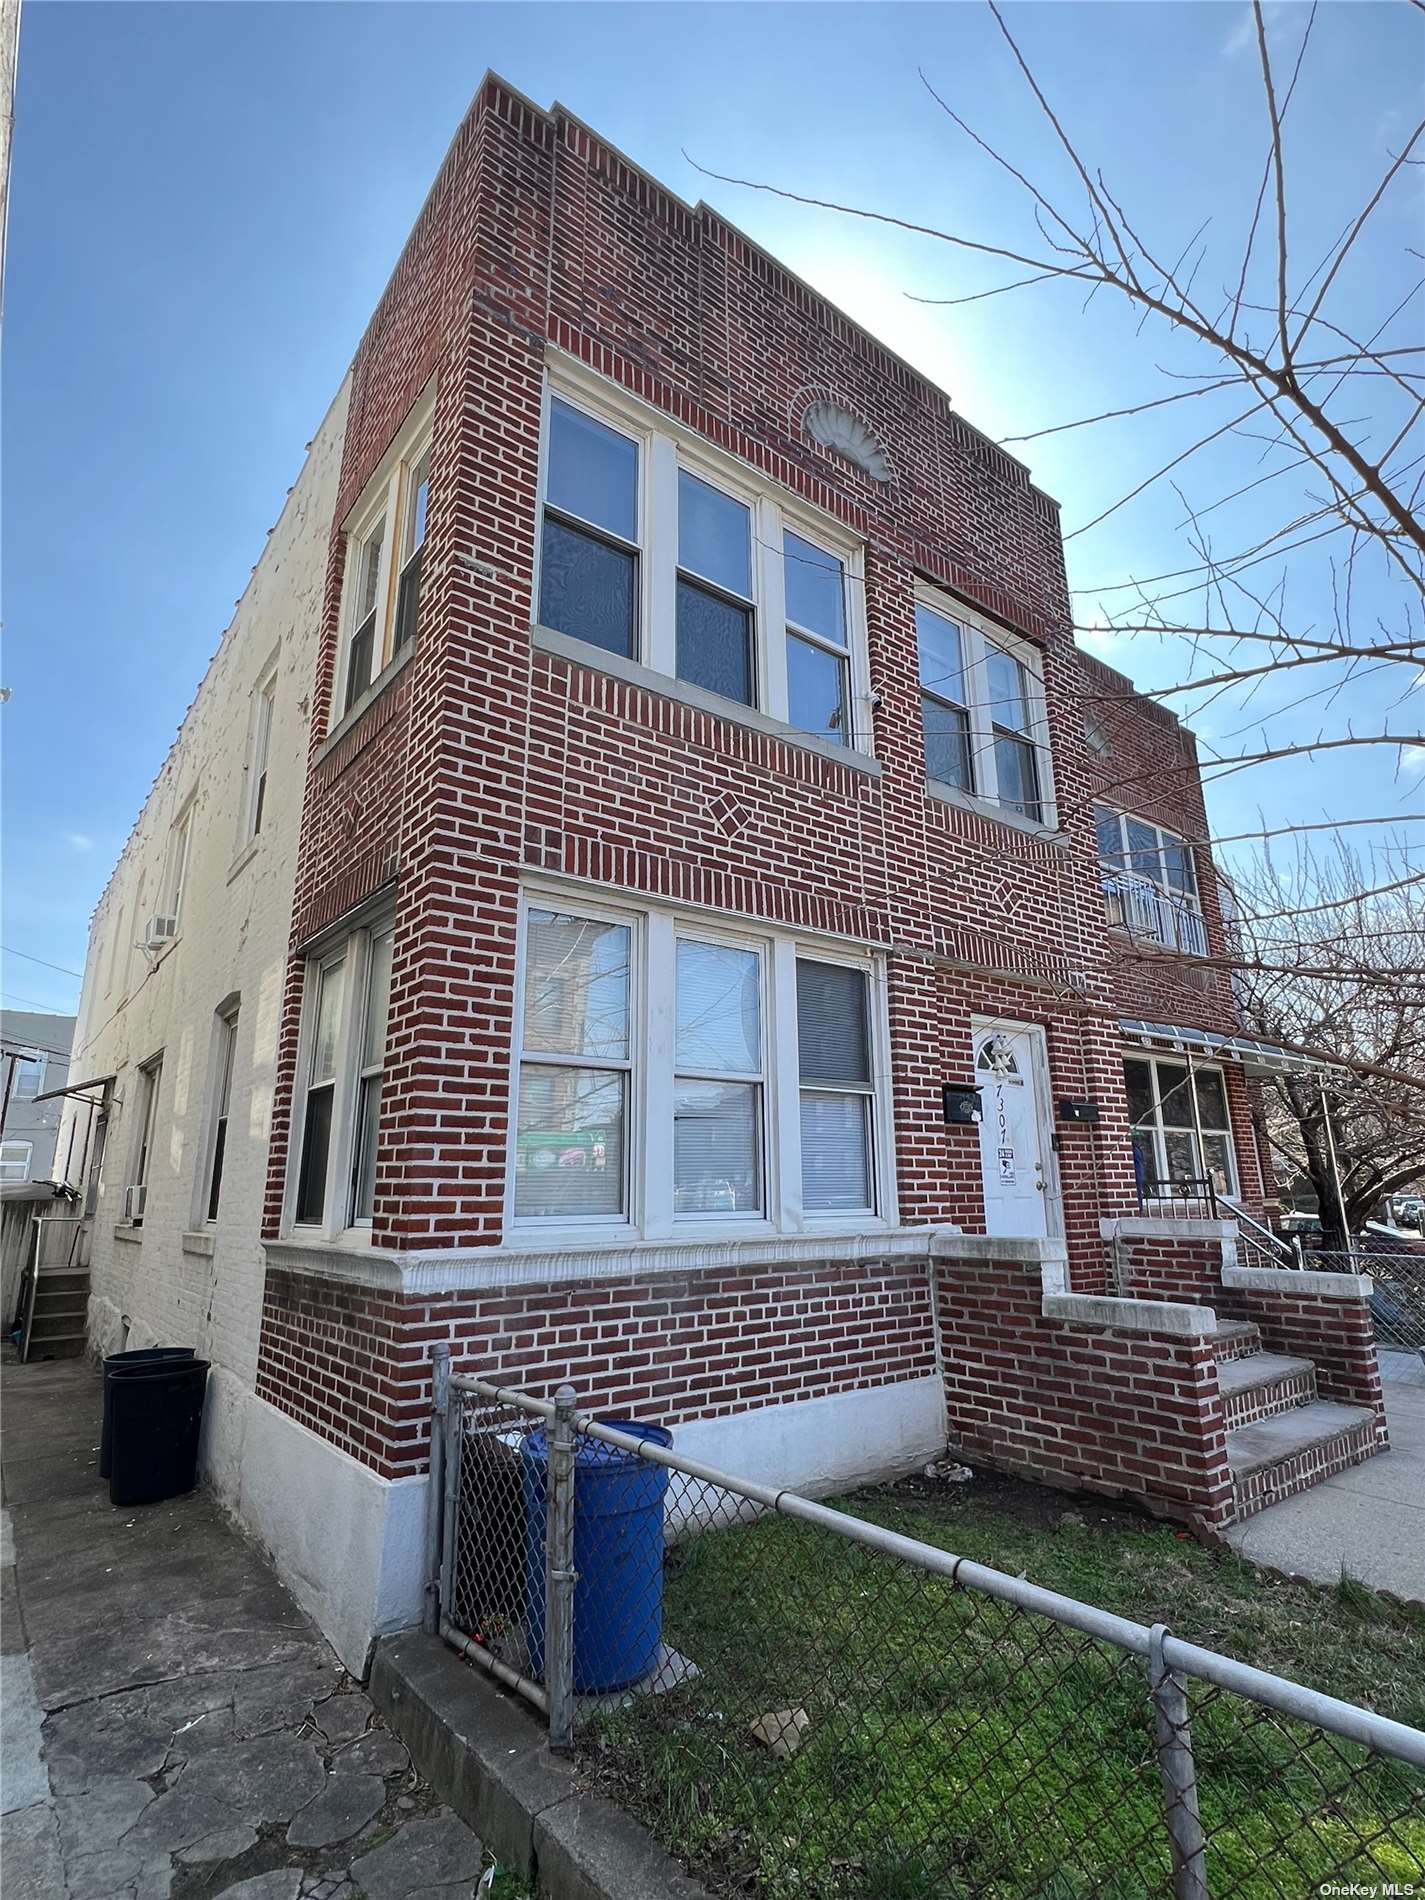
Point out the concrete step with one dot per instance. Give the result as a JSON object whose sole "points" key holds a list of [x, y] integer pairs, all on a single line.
{"points": [[49, 1324], [1261, 1384], [1276, 1457], [62, 1346], [1235, 1339]]}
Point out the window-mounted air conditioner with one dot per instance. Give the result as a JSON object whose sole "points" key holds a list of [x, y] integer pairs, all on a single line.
{"points": [[160, 930], [133, 1201]]}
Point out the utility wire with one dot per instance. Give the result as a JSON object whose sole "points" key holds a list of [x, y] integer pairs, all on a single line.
{"points": [[40, 960]]}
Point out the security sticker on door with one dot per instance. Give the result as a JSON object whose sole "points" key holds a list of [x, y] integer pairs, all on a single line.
{"points": [[1006, 1164]]}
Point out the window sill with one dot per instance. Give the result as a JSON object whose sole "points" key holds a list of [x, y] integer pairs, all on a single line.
{"points": [[199, 1243], [353, 716], [996, 814], [548, 640], [126, 1230], [245, 856], [548, 1261]]}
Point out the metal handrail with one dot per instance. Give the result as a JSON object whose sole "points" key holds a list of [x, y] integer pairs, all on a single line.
{"points": [[1261, 1239]]}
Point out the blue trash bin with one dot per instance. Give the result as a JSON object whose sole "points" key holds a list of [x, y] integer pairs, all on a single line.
{"points": [[618, 1553]]}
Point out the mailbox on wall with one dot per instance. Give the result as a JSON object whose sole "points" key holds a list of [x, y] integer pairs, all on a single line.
{"points": [[1072, 1110], [961, 1104]]}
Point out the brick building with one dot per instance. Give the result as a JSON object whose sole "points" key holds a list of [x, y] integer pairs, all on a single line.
{"points": [[720, 891]]}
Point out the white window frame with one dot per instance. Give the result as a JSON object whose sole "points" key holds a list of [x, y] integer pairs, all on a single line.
{"points": [[149, 1082], [976, 634], [1192, 899], [177, 861], [650, 1214], [1160, 1130], [665, 447], [387, 497], [336, 1222], [261, 714], [30, 1059], [7, 1164], [222, 1066]]}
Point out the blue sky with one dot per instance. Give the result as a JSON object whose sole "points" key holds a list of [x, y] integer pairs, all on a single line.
{"points": [[207, 200]]}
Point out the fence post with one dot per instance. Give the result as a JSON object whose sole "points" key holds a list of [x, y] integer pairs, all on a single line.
{"points": [[1179, 1773], [435, 1603], [559, 1573]]}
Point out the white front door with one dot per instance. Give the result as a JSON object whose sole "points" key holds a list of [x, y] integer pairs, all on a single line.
{"points": [[1016, 1161]]}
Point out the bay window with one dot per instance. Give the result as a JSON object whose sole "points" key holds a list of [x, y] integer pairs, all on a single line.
{"points": [[676, 1075], [340, 1064], [1181, 1129], [982, 711], [657, 549]]}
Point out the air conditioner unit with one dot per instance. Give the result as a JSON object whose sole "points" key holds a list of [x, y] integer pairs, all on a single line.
{"points": [[161, 930], [133, 1201]]}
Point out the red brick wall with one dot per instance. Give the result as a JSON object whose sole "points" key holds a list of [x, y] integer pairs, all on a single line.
{"points": [[1080, 1407], [1336, 1335], [490, 758], [353, 1364]]}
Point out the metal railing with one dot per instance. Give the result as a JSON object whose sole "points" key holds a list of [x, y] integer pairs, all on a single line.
{"points": [[56, 1250], [1397, 1293], [1192, 1196], [1258, 1244], [1139, 907], [803, 1704]]}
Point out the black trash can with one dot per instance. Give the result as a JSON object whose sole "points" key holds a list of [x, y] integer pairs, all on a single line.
{"points": [[158, 1418], [115, 1363]]}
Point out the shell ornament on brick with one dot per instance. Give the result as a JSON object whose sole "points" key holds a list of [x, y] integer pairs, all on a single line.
{"points": [[836, 428]]}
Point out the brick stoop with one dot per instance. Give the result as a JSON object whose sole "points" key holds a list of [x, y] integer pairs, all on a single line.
{"points": [[1235, 1339], [1289, 1451], [1261, 1384]]}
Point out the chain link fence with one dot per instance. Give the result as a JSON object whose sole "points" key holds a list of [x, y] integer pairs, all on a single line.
{"points": [[804, 1705]]}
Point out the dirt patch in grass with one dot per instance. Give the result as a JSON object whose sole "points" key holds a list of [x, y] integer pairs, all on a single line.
{"points": [[956, 1746]]}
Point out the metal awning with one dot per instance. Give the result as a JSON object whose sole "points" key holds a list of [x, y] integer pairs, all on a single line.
{"points": [[1256, 1058], [75, 1088]]}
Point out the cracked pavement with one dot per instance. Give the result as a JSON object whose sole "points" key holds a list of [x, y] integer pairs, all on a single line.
{"points": [[174, 1727]]}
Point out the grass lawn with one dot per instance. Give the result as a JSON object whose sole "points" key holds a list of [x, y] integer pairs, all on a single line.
{"points": [[957, 1747]]}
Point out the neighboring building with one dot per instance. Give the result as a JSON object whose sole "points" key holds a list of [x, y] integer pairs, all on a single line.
{"points": [[36, 1052], [696, 823]]}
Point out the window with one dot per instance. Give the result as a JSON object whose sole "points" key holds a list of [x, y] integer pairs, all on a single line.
{"points": [[659, 550], [15, 1159], [1150, 881], [982, 708], [223, 1055], [837, 1097], [408, 586], [259, 740], [385, 536], [150, 1079], [944, 699], [675, 1076], [340, 1071], [575, 1068], [1181, 1128], [716, 616], [588, 573], [717, 1080], [818, 657], [28, 1078], [175, 871]]}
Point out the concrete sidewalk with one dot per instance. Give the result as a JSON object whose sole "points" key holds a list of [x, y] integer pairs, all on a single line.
{"points": [[173, 1725], [1368, 1522]]}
